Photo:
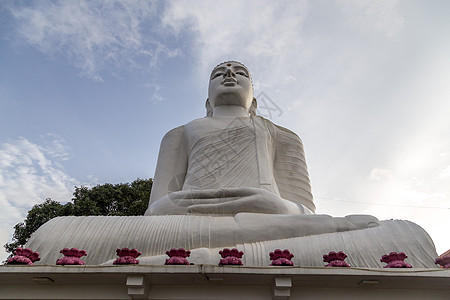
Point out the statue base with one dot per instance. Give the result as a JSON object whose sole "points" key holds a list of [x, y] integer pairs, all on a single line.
{"points": [[214, 282], [363, 238]]}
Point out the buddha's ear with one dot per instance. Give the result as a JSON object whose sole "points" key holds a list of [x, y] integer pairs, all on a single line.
{"points": [[253, 107], [209, 109]]}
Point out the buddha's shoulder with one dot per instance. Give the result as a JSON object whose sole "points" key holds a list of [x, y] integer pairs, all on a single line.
{"points": [[174, 136], [176, 131], [279, 129], [198, 122], [286, 131], [180, 130]]}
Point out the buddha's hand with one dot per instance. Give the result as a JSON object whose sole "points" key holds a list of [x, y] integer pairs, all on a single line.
{"points": [[227, 201], [230, 201]]}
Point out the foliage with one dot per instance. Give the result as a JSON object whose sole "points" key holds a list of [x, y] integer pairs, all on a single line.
{"points": [[38, 215], [123, 199]]}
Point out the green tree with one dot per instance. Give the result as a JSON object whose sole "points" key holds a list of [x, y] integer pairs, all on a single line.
{"points": [[123, 199], [38, 215]]}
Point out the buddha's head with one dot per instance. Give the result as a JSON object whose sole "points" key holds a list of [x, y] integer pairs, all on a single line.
{"points": [[230, 83]]}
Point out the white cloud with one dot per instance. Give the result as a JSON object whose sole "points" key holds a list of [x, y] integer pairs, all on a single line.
{"points": [[55, 146], [398, 193], [28, 175], [92, 35], [269, 36], [380, 174], [156, 94], [378, 15], [445, 173], [250, 31]]}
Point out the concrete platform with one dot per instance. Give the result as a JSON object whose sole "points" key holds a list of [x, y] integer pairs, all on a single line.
{"points": [[214, 282]]}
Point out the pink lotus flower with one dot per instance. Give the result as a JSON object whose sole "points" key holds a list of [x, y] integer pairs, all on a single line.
{"points": [[395, 260], [443, 261], [231, 257], [177, 257], [281, 258], [23, 256], [71, 257], [127, 256], [335, 259]]}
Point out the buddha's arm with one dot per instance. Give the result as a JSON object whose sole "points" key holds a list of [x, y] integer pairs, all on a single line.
{"points": [[290, 169], [231, 201], [171, 166]]}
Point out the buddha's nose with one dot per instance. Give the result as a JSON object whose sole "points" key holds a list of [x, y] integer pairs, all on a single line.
{"points": [[229, 73]]}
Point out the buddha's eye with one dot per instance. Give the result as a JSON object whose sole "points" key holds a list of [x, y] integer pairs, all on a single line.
{"points": [[218, 74], [242, 73]]}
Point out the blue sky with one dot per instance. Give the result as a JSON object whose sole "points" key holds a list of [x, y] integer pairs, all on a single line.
{"points": [[88, 89]]}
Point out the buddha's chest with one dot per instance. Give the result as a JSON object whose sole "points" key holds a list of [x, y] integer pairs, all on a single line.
{"points": [[216, 133]]}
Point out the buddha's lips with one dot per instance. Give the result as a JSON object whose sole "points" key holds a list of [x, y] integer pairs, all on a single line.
{"points": [[229, 81]]}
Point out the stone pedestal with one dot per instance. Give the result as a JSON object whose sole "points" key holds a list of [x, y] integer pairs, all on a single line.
{"points": [[214, 282]]}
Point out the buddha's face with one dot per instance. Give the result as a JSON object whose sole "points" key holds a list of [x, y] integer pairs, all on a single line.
{"points": [[230, 84]]}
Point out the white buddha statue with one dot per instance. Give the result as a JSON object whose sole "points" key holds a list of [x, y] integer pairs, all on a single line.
{"points": [[231, 161], [235, 180]]}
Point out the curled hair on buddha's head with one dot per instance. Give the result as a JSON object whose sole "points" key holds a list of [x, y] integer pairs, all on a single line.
{"points": [[230, 61]]}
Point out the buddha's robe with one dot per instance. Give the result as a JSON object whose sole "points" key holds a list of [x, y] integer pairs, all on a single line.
{"points": [[199, 162], [216, 158], [363, 238]]}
